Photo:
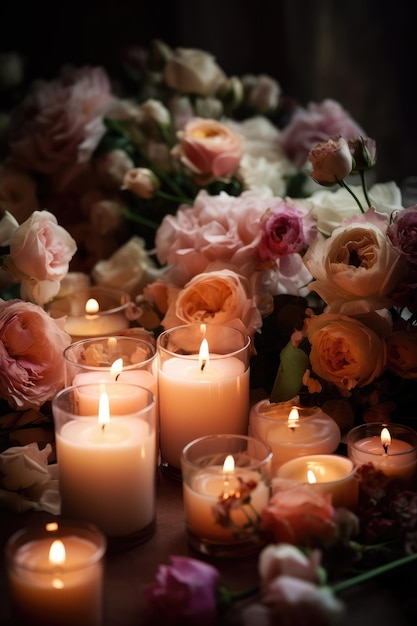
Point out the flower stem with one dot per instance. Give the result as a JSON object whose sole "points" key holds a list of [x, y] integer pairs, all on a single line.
{"points": [[382, 569], [364, 187], [343, 184]]}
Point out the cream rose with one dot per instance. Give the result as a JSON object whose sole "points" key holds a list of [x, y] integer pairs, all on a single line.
{"points": [[356, 270], [190, 70], [345, 351]]}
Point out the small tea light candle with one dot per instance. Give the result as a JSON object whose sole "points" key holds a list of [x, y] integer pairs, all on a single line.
{"points": [[330, 474], [391, 448], [55, 574], [293, 431], [218, 470]]}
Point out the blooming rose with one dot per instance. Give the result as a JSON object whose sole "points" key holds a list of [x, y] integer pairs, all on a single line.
{"points": [[298, 514], [345, 351], [317, 123], [220, 295], [285, 559], [402, 233], [261, 92], [142, 181], [184, 592], [356, 269], [402, 353], [193, 71], [31, 360], [208, 148], [331, 161]]}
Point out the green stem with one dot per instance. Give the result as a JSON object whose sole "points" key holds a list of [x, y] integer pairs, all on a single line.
{"points": [[382, 569], [178, 199], [343, 184], [365, 188]]}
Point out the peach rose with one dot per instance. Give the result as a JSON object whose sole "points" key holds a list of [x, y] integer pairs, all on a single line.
{"points": [[31, 359], [141, 181], [345, 351], [402, 353], [209, 148], [331, 161], [356, 269], [190, 70]]}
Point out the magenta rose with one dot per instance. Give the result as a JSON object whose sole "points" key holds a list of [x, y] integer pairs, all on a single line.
{"points": [[317, 123], [184, 593], [402, 233], [31, 359]]}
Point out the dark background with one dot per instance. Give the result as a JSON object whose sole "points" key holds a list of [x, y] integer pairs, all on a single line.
{"points": [[361, 52]]}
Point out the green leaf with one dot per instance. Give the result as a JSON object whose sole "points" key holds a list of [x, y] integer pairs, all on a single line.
{"points": [[289, 379]]}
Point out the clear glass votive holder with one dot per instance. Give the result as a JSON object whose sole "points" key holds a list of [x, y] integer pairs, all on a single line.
{"points": [[226, 481], [314, 432], [55, 574], [105, 313], [391, 448], [330, 474], [107, 458], [201, 395]]}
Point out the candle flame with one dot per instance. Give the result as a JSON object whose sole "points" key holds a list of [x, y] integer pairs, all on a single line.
{"points": [[57, 554], [203, 357], [293, 418], [385, 439], [92, 306], [103, 409], [229, 464], [116, 368], [311, 477]]}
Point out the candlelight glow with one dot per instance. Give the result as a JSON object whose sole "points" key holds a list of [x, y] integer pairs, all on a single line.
{"points": [[116, 368], [104, 409], [385, 439], [92, 306], [203, 357], [57, 554], [311, 477], [293, 418], [229, 464]]}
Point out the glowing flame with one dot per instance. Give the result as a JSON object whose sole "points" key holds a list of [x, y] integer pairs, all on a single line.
{"points": [[385, 439], [92, 306], [229, 464], [311, 477], [293, 418], [57, 554], [104, 409], [203, 357], [116, 368]]}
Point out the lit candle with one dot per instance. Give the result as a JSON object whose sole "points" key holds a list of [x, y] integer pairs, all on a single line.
{"points": [[202, 393], [107, 459], [56, 575], [391, 448], [235, 489], [330, 474], [293, 432]]}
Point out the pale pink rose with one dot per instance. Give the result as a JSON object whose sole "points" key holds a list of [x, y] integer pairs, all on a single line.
{"points": [[194, 71], [58, 126], [223, 227], [209, 148], [298, 514], [217, 296], [356, 269], [262, 92], [18, 193], [141, 181], [31, 354], [331, 161], [42, 249], [364, 350], [319, 122], [285, 559], [402, 353], [38, 291], [402, 233]]}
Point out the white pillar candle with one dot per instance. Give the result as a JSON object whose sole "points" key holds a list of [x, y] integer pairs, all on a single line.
{"points": [[330, 474], [55, 576], [107, 471]]}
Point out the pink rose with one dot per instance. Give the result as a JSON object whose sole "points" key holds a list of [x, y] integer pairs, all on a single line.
{"points": [[184, 592], [31, 359], [331, 161], [209, 149], [285, 559], [356, 269], [194, 71], [402, 233], [298, 514], [317, 123]]}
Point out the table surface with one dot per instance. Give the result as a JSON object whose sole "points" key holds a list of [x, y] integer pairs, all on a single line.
{"points": [[386, 600]]}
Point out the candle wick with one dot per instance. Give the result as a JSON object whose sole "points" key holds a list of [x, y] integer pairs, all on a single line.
{"points": [[203, 364], [103, 426], [117, 376], [385, 446]]}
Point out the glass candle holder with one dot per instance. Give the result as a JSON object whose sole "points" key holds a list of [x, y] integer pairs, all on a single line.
{"points": [[330, 474], [226, 484], [391, 448], [201, 394], [106, 453], [55, 574], [314, 432], [92, 312]]}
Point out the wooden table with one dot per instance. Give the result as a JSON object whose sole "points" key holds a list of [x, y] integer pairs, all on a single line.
{"points": [[389, 601]]}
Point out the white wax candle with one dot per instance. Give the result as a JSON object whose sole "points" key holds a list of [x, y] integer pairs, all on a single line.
{"points": [[107, 475], [202, 494], [124, 398], [49, 595], [399, 460], [101, 324], [141, 377], [194, 402], [328, 473]]}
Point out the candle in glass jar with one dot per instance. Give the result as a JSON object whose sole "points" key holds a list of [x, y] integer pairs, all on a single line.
{"points": [[55, 577], [330, 474]]}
